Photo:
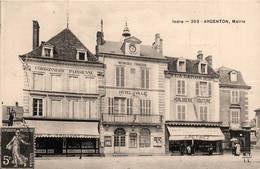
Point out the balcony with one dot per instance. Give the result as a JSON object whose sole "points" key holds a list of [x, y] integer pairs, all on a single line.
{"points": [[133, 119], [239, 125]]}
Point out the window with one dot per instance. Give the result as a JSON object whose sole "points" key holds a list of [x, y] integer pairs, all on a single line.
{"points": [[91, 109], [91, 85], [181, 112], [37, 107], [203, 113], [120, 76], [181, 87], [145, 138], [73, 83], [203, 89], [129, 106], [203, 68], [233, 76], [157, 141], [145, 75], [82, 54], [47, 52], [235, 117], [234, 97], [56, 108], [119, 105], [111, 105], [56, 82], [38, 81], [74, 109], [133, 140], [145, 107], [181, 66]]}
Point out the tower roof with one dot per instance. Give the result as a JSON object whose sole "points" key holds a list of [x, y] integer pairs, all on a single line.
{"points": [[126, 31]]}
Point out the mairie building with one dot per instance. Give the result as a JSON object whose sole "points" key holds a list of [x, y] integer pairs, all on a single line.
{"points": [[61, 95], [192, 106], [132, 114]]}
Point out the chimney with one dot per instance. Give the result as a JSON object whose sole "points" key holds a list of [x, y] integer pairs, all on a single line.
{"points": [[36, 29], [16, 104], [158, 44], [209, 60], [100, 38], [200, 55]]}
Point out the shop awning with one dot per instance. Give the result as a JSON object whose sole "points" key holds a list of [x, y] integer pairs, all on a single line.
{"points": [[195, 133], [67, 129]]}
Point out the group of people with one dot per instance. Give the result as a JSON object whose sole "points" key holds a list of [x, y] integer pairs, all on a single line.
{"points": [[190, 149]]}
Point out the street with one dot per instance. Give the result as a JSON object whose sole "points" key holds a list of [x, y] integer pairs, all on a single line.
{"points": [[226, 161]]}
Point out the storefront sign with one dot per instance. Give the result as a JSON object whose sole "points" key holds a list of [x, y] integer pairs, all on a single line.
{"points": [[131, 63], [63, 70], [196, 137], [17, 147], [108, 141], [74, 151], [143, 93], [183, 99], [193, 77], [88, 151], [191, 100]]}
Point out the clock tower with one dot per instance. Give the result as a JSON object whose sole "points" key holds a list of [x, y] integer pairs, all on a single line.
{"points": [[131, 45]]}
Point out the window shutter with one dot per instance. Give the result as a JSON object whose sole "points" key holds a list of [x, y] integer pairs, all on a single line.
{"points": [[122, 76], [147, 79], [209, 89], [197, 88], [142, 78], [178, 87], [141, 112], [183, 87], [183, 112], [117, 76]]}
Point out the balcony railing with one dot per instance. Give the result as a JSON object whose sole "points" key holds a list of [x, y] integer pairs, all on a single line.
{"points": [[239, 125], [131, 119]]}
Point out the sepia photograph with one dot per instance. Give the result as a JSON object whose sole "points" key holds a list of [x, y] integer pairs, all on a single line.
{"points": [[130, 85]]}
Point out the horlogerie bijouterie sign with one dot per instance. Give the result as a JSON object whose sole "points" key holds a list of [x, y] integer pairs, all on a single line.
{"points": [[17, 147]]}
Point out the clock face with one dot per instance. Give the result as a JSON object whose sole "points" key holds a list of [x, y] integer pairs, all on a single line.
{"points": [[132, 48]]}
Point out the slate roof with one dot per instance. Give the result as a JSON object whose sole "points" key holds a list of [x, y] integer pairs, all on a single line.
{"points": [[225, 78], [65, 44], [191, 67], [115, 48]]}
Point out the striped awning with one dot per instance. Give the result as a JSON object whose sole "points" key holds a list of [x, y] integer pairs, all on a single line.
{"points": [[64, 129], [195, 133]]}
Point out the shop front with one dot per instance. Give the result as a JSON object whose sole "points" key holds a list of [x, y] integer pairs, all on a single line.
{"points": [[68, 138], [199, 139]]}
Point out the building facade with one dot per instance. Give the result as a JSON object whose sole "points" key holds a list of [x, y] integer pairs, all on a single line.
{"points": [[192, 106], [61, 95], [132, 114], [257, 127], [234, 108]]}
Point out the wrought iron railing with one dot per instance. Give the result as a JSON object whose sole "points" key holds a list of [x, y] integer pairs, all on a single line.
{"points": [[131, 118]]}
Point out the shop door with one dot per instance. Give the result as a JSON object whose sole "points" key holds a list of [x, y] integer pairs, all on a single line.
{"points": [[57, 146], [119, 141]]}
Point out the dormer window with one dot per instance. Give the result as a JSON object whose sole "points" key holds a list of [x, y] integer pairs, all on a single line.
{"points": [[47, 50], [203, 67], [233, 76], [82, 54], [181, 65]]}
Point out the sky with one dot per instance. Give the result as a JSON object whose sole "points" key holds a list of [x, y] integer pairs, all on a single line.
{"points": [[234, 45]]}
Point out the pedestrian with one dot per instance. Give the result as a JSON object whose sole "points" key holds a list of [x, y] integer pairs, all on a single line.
{"points": [[210, 149], [192, 149], [237, 149], [182, 149], [189, 150]]}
